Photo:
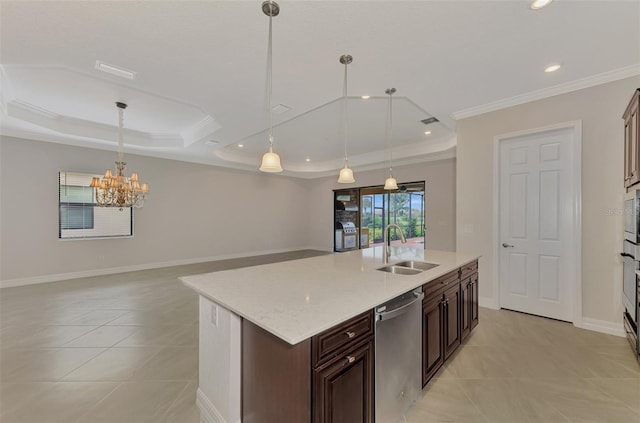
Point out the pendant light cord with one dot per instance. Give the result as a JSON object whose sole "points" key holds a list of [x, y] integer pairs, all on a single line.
{"points": [[270, 82], [345, 109], [389, 132]]}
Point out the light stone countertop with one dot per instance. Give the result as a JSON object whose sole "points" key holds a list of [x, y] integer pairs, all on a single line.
{"points": [[295, 300]]}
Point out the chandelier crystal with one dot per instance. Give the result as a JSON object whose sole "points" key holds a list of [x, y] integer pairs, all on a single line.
{"points": [[119, 190]]}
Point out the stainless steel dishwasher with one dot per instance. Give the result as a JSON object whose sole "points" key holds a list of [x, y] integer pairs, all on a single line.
{"points": [[398, 355]]}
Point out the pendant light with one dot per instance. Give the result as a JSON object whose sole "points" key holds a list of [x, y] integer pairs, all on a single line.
{"points": [[346, 173], [390, 183], [270, 160]]}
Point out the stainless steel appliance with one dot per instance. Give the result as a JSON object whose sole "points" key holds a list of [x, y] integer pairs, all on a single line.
{"points": [[632, 217], [630, 257], [398, 355], [346, 236]]}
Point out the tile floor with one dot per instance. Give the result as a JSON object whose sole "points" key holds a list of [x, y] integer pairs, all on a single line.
{"points": [[123, 348]]}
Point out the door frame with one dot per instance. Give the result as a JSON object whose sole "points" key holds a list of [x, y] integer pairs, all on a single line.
{"points": [[575, 287]]}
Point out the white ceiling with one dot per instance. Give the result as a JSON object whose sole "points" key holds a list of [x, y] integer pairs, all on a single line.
{"points": [[201, 72]]}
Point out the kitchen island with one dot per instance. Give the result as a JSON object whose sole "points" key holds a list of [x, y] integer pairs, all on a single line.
{"points": [[271, 335]]}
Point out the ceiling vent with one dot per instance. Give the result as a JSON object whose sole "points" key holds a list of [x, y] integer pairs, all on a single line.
{"points": [[430, 120]]}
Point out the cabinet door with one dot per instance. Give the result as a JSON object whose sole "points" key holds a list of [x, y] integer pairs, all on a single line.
{"points": [[465, 308], [343, 388], [627, 153], [451, 320], [432, 327], [473, 301], [631, 139]]}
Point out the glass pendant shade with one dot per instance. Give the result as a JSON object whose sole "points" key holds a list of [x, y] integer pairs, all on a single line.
{"points": [[346, 176], [271, 162], [391, 183]]}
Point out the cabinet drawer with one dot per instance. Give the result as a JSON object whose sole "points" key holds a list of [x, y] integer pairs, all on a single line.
{"points": [[438, 285], [469, 269], [332, 342]]}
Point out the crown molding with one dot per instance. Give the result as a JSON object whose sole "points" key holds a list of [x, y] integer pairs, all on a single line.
{"points": [[568, 87]]}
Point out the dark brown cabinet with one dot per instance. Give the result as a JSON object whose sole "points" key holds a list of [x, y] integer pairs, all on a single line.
{"points": [[343, 372], [343, 387], [432, 352], [451, 310], [631, 118], [465, 308], [473, 300], [329, 378], [468, 304], [440, 322], [326, 379], [449, 313]]}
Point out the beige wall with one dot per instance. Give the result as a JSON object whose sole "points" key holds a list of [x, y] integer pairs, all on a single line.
{"points": [[440, 177], [600, 109], [193, 211]]}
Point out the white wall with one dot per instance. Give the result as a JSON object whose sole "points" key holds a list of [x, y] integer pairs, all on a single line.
{"points": [[193, 212], [600, 108], [219, 363], [440, 178]]}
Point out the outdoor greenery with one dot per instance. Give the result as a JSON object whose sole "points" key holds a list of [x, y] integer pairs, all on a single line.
{"points": [[410, 217]]}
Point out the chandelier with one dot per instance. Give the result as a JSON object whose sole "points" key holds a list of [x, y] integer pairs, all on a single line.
{"points": [[120, 190]]}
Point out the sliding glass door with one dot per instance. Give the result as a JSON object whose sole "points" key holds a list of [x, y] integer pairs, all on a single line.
{"points": [[405, 207]]}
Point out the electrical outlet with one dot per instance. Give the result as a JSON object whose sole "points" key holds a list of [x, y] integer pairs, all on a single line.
{"points": [[214, 315]]}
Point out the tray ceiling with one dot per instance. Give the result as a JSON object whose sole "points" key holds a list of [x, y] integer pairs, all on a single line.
{"points": [[200, 68]]}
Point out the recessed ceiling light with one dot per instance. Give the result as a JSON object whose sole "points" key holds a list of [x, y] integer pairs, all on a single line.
{"points": [[240, 145], [539, 4], [427, 132], [366, 97], [115, 70], [551, 68], [307, 160]]}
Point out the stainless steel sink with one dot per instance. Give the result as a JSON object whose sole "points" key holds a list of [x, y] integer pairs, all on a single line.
{"points": [[399, 270], [421, 265]]}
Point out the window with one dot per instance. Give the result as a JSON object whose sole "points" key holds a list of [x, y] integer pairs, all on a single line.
{"points": [[79, 217]]}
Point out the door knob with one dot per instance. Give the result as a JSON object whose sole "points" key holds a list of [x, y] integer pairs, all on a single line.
{"points": [[505, 245]]}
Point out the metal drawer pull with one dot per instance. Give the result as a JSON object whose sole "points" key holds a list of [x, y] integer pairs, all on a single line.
{"points": [[350, 334], [350, 359]]}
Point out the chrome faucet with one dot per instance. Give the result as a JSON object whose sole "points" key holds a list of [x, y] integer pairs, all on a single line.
{"points": [[387, 251]]}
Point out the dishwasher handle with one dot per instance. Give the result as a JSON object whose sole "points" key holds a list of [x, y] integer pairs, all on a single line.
{"points": [[387, 315]]}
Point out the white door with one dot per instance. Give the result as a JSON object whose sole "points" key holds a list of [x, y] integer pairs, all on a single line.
{"points": [[536, 223]]}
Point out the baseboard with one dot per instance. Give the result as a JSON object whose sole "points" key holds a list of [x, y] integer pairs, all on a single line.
{"points": [[603, 326], [208, 412], [320, 248], [7, 283], [488, 302]]}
